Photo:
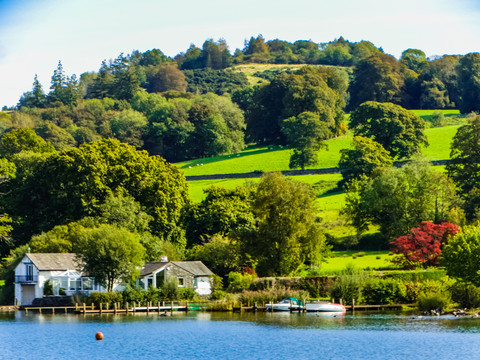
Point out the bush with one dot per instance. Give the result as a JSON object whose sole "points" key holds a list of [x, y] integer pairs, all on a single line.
{"points": [[273, 294], [131, 295], [433, 301], [220, 295], [98, 298], [466, 295], [238, 281], [62, 292], [187, 294], [170, 290], [47, 288], [384, 291], [348, 286]]}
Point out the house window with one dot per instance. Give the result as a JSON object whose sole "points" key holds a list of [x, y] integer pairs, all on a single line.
{"points": [[29, 271], [87, 283], [181, 282], [75, 285]]}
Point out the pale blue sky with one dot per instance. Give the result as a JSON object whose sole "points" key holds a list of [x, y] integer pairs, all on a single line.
{"points": [[35, 34]]}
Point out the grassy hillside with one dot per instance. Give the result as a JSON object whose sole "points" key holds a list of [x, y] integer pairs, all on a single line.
{"points": [[329, 203], [275, 158]]}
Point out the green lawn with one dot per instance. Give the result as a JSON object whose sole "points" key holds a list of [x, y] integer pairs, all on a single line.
{"points": [[276, 158], [439, 140], [321, 183], [367, 262]]}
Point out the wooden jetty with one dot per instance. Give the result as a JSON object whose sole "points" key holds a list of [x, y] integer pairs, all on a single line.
{"points": [[49, 309], [117, 309]]}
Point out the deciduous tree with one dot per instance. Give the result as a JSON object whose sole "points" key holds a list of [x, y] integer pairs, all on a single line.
{"points": [[399, 131], [424, 245], [461, 256], [366, 156]]}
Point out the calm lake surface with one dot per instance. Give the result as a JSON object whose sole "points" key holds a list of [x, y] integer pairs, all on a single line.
{"points": [[238, 336]]}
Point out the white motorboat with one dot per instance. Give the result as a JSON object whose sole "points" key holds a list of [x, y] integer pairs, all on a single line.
{"points": [[288, 304], [324, 306]]}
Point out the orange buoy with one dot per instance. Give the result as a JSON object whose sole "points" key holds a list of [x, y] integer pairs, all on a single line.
{"points": [[99, 336]]}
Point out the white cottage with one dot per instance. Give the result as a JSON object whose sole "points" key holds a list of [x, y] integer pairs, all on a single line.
{"points": [[189, 274], [64, 273]]}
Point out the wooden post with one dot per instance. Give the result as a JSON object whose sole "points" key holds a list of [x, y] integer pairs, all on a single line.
{"points": [[134, 307], [108, 305], [333, 300], [148, 308], [26, 311], [101, 308], [84, 308], [171, 304], [114, 308], [93, 306], [126, 308], [341, 301], [53, 310], [65, 309]]}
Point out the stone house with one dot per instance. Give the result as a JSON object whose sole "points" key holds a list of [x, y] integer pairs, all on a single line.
{"points": [[189, 274]]}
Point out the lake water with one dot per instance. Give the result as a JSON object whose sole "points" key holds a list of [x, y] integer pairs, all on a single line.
{"points": [[238, 336]]}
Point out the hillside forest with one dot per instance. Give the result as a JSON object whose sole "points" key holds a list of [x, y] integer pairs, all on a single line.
{"points": [[93, 157]]}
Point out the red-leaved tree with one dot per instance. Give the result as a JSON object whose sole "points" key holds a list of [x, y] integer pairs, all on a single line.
{"points": [[423, 245]]}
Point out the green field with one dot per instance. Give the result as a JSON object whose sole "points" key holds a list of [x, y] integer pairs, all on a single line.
{"points": [[342, 259], [276, 158]]}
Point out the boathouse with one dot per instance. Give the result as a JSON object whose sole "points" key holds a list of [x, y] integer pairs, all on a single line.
{"points": [[62, 270], [189, 274]]}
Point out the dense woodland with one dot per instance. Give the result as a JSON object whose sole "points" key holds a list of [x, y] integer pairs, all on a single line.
{"points": [[90, 158]]}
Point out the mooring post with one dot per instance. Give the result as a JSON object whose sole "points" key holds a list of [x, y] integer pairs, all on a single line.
{"points": [[134, 306], [171, 304], [341, 301], [353, 304], [84, 308], [101, 308]]}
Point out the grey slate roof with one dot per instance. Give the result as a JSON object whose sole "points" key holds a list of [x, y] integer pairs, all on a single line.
{"points": [[196, 268], [150, 267], [54, 261]]}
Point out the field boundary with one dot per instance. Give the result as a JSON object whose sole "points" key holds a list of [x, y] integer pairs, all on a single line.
{"points": [[257, 174]]}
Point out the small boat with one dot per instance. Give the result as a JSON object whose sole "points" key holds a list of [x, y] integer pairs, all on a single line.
{"points": [[324, 306], [287, 304]]}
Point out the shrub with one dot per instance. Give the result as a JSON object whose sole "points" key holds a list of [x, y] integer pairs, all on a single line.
{"points": [[466, 295], [349, 285], [274, 294], [220, 294], [238, 281], [105, 298], [47, 288], [433, 301], [132, 295], [384, 291], [62, 292], [170, 290], [216, 282], [187, 294]]}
